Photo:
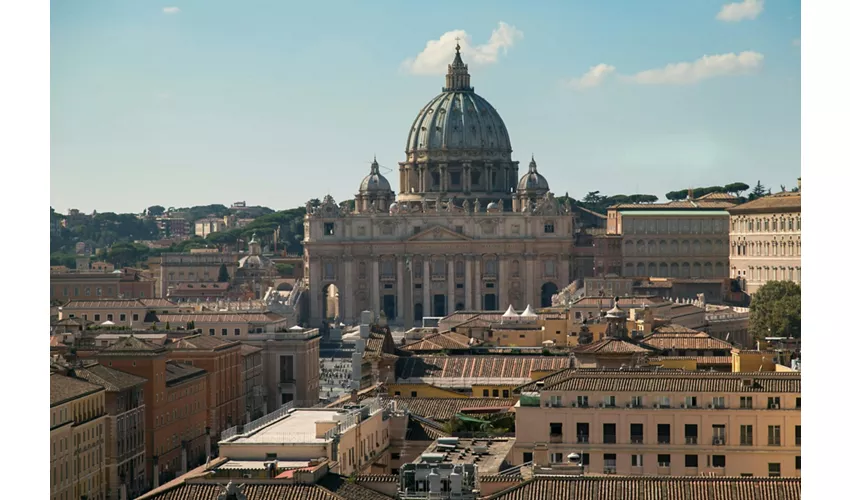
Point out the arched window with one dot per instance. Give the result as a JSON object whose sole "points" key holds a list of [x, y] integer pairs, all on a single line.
{"points": [[674, 270], [696, 247], [641, 247], [652, 269], [641, 269], [697, 272], [663, 270], [758, 225], [630, 269], [662, 247], [630, 248], [685, 248], [686, 270], [707, 248], [459, 269], [782, 224], [674, 247], [708, 270], [439, 268], [653, 249]]}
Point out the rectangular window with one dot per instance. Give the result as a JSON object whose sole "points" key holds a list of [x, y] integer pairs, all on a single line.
{"points": [[718, 402], [718, 461], [610, 401], [549, 228], [691, 401], [747, 402], [413, 394], [636, 433], [581, 401], [99, 291], [691, 460], [212, 331], [609, 433], [609, 463], [582, 432], [774, 470], [718, 434], [224, 331], [486, 393], [65, 291], [556, 458], [797, 463], [556, 429], [797, 435], [773, 403], [746, 435], [108, 317], [97, 317], [585, 459], [237, 331], [774, 435], [637, 401], [664, 460], [797, 405], [663, 433], [691, 433], [122, 317], [507, 393], [664, 402], [329, 228], [637, 460]]}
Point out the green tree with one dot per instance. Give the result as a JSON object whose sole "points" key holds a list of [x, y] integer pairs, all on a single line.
{"points": [[758, 191], [223, 276], [156, 210], [677, 195], [775, 310], [284, 269], [736, 188]]}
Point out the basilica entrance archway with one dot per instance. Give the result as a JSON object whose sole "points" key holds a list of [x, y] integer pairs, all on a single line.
{"points": [[546, 292]]}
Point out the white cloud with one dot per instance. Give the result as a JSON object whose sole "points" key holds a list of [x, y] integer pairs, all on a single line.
{"points": [[734, 12], [593, 78], [171, 10], [701, 69], [439, 53]]}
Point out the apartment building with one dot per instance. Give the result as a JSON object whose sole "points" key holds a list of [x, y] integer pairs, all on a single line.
{"points": [[175, 405], [77, 439], [198, 266], [124, 428], [663, 422], [253, 381], [119, 312], [222, 360]]}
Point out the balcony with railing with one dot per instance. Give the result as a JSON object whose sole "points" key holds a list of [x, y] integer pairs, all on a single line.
{"points": [[691, 439], [609, 439], [609, 466], [637, 439], [556, 438], [718, 440], [582, 439], [662, 439]]}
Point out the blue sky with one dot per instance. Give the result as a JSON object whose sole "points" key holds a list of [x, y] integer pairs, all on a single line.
{"points": [[276, 102]]}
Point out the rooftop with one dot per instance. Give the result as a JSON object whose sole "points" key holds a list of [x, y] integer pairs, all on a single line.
{"points": [[441, 341], [112, 380], [64, 389], [465, 369], [613, 345], [779, 202], [488, 454], [201, 342], [176, 373], [444, 409], [133, 346], [669, 381], [654, 488], [118, 304], [267, 317]]}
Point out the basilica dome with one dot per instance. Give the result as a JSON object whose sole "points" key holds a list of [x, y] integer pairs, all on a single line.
{"points": [[375, 182], [459, 122], [533, 180]]}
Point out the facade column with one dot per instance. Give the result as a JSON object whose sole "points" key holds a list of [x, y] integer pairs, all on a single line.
{"points": [[315, 282], [400, 308], [504, 269], [466, 179], [563, 272], [376, 287], [530, 280], [425, 178], [476, 280], [348, 312], [467, 279], [450, 279], [426, 285]]}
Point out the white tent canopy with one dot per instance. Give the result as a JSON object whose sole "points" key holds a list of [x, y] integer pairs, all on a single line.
{"points": [[511, 312], [528, 313]]}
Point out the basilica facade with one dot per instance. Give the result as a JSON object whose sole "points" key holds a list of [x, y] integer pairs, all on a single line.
{"points": [[465, 232]]}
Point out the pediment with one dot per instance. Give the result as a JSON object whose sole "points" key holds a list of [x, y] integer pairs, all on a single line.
{"points": [[438, 233]]}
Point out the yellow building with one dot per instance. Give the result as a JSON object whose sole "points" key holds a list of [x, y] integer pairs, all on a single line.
{"points": [[77, 444], [422, 391], [663, 422]]}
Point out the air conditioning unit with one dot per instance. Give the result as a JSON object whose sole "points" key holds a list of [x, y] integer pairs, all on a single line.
{"points": [[709, 406], [682, 405], [548, 404], [655, 405], [573, 404], [628, 405], [601, 405]]}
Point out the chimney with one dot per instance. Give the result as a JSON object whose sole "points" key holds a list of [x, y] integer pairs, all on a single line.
{"points": [[798, 185], [353, 398], [690, 194]]}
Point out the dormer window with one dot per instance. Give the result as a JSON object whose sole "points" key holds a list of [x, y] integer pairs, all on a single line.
{"points": [[549, 227]]}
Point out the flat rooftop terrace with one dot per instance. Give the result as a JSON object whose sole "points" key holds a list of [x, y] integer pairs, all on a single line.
{"points": [[299, 426]]}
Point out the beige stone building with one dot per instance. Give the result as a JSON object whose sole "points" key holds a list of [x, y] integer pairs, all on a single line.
{"points": [[198, 266], [466, 231], [765, 240], [679, 239], [77, 439], [664, 422]]}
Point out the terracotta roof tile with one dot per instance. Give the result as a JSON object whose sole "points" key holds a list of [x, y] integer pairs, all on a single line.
{"points": [[133, 346], [477, 366], [110, 379], [654, 488], [267, 317], [440, 341], [247, 350], [699, 204], [677, 381], [106, 304], [685, 341], [252, 491], [377, 478], [779, 202], [701, 360], [611, 345], [350, 490], [203, 343], [64, 388], [443, 409]]}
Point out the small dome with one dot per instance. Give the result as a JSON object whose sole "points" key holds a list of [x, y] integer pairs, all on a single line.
{"points": [[492, 205], [533, 180], [375, 182]]}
